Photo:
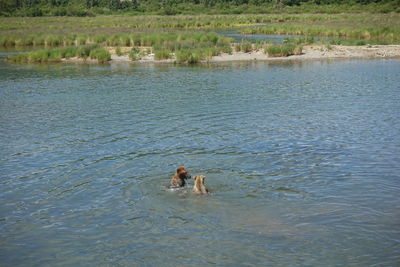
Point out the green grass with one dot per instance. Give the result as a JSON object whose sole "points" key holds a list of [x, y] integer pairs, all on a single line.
{"points": [[135, 54], [187, 56], [186, 47], [284, 50], [57, 54], [195, 55], [387, 34], [106, 25], [152, 30], [162, 54], [188, 39], [100, 54], [244, 47], [118, 51]]}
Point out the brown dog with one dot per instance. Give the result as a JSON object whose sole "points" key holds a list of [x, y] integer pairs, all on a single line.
{"points": [[199, 185], [178, 180]]}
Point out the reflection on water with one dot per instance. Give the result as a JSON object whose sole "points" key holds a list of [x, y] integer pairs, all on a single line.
{"points": [[301, 160]]}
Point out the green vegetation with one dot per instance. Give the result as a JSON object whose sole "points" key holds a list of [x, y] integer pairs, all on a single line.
{"points": [[150, 30], [186, 56], [185, 47], [57, 54], [377, 34], [244, 46], [195, 55], [118, 51], [284, 50], [162, 54], [134, 54], [100, 54], [192, 47], [379, 29], [189, 39], [37, 8]]}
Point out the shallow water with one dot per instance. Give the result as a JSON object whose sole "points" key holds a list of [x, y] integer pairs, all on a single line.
{"points": [[302, 160], [240, 37]]}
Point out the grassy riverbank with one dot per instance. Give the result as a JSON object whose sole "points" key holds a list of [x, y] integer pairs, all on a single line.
{"points": [[185, 47], [142, 30], [190, 39], [20, 27], [382, 34], [93, 52]]}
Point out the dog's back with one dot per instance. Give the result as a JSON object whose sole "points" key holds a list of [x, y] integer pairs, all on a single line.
{"points": [[199, 185]]}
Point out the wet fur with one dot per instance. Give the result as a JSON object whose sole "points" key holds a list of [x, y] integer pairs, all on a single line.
{"points": [[179, 178], [199, 186]]}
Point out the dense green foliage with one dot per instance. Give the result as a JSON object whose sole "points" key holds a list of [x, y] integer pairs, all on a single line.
{"points": [[172, 7]]}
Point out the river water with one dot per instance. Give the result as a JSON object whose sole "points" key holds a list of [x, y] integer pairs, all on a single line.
{"points": [[301, 158]]}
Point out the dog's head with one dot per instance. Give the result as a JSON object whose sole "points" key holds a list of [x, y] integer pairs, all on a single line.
{"points": [[183, 173]]}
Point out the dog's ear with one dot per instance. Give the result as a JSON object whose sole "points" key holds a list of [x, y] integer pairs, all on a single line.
{"points": [[195, 178]]}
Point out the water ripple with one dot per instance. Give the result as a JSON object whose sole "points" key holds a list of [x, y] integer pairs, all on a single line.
{"points": [[294, 154]]}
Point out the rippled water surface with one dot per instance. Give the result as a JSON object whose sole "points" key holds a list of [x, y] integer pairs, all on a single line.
{"points": [[302, 160]]}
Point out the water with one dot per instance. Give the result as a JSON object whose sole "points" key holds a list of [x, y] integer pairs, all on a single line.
{"points": [[302, 160], [239, 37]]}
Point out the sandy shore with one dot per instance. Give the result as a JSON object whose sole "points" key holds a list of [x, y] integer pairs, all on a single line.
{"points": [[311, 52], [321, 52]]}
